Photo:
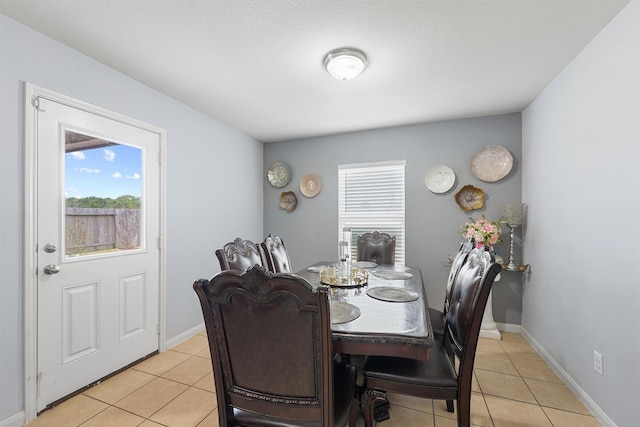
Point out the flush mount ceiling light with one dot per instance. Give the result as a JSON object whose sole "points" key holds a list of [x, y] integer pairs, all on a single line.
{"points": [[345, 63]]}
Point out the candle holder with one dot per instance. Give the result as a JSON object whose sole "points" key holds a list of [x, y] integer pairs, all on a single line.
{"points": [[513, 214]]}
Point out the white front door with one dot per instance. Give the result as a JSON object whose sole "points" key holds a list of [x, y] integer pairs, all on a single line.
{"points": [[98, 234]]}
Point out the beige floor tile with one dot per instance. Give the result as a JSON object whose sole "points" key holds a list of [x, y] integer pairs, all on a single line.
{"points": [[193, 345], [475, 386], [444, 422], [494, 362], [150, 398], [70, 413], [556, 395], [211, 420], [489, 346], [405, 417], [411, 402], [517, 349], [440, 409], [565, 418], [513, 337], [503, 385], [479, 412], [510, 413], [190, 371], [206, 383], [186, 410], [113, 416], [519, 390], [119, 386], [536, 369], [161, 363], [206, 354]]}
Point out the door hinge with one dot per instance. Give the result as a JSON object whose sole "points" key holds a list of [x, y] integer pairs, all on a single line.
{"points": [[159, 242], [40, 104], [158, 328]]}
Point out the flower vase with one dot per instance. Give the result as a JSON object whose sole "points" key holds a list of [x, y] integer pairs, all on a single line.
{"points": [[480, 245]]}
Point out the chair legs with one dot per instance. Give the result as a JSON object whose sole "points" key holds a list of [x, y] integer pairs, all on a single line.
{"points": [[449, 405], [353, 413], [371, 399], [368, 402]]}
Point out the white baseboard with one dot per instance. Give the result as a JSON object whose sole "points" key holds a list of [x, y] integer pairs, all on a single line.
{"points": [[16, 420], [183, 336], [509, 327], [600, 415]]}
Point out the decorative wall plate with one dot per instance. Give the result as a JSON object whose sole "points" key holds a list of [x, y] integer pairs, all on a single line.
{"points": [[470, 198], [288, 201], [310, 185], [491, 163], [440, 179], [279, 174]]}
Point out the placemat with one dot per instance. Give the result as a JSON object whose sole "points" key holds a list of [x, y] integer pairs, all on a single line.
{"points": [[391, 294], [343, 312], [392, 274]]}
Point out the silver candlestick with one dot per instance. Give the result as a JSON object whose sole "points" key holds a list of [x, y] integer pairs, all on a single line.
{"points": [[512, 265], [513, 214]]}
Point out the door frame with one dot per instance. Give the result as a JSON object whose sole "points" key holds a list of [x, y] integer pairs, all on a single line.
{"points": [[31, 93]]}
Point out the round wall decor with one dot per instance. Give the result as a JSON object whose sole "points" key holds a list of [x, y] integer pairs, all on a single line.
{"points": [[440, 179], [279, 174], [470, 198], [491, 163], [310, 185]]}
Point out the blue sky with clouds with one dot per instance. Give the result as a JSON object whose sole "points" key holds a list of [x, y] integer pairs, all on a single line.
{"points": [[111, 171]]}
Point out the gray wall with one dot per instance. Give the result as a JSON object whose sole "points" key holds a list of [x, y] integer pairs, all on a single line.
{"points": [[207, 162], [433, 221], [581, 181]]}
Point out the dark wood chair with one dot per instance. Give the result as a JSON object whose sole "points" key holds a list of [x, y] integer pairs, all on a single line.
{"points": [[437, 378], [438, 316], [275, 255], [239, 255], [377, 247], [272, 352]]}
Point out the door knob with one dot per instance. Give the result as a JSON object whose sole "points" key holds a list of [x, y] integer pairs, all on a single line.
{"points": [[51, 269]]}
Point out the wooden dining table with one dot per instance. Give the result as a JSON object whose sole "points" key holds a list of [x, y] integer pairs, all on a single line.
{"points": [[391, 321]]}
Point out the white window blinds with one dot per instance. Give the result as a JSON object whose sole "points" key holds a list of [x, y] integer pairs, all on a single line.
{"points": [[371, 197]]}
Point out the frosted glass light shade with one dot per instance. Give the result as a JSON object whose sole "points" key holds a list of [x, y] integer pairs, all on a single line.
{"points": [[345, 63], [513, 213]]}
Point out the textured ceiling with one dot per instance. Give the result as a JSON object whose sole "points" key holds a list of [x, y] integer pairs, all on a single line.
{"points": [[257, 65]]}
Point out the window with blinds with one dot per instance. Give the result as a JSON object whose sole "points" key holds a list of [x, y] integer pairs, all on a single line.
{"points": [[371, 197]]}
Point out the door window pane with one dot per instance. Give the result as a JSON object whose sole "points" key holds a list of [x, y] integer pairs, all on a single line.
{"points": [[103, 192]]}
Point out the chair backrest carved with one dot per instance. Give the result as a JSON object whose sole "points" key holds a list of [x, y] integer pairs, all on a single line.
{"points": [[458, 261], [239, 255], [376, 246], [275, 254], [466, 308], [271, 347]]}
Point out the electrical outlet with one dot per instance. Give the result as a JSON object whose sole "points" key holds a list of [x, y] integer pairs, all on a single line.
{"points": [[598, 362]]}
